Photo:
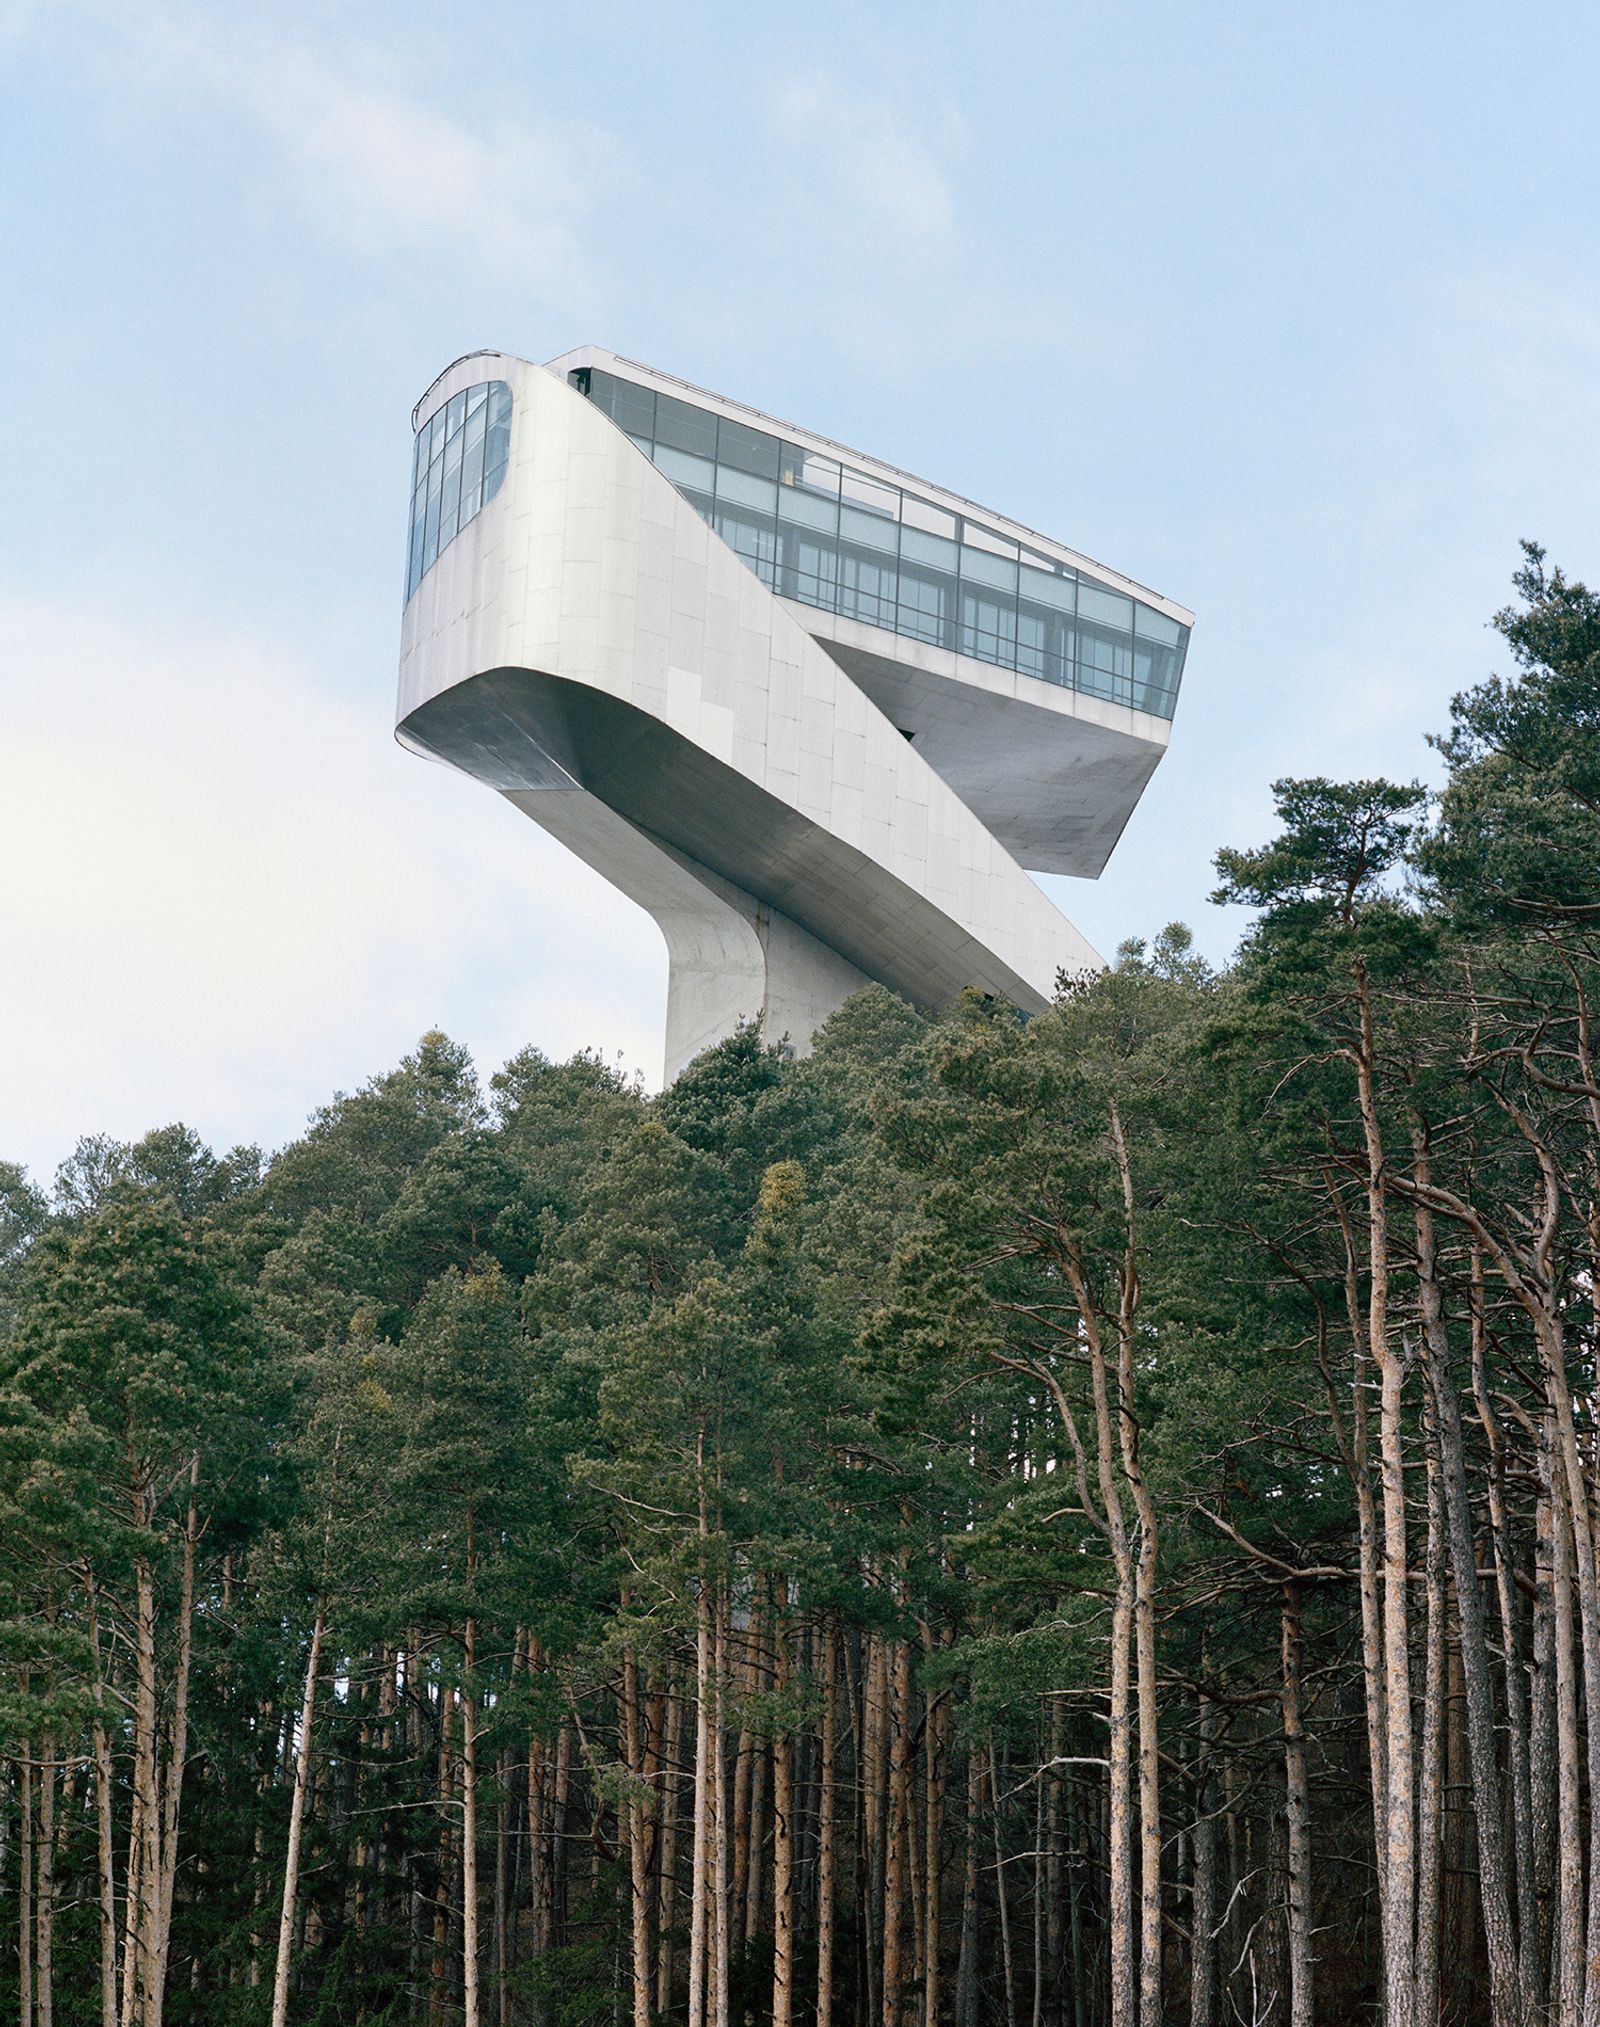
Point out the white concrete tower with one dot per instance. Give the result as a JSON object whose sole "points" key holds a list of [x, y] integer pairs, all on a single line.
{"points": [[814, 714]]}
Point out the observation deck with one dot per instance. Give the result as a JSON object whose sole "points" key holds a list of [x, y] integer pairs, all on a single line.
{"points": [[816, 715]]}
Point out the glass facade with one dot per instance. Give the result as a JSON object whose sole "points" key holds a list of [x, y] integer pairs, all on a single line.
{"points": [[458, 466], [817, 531]]}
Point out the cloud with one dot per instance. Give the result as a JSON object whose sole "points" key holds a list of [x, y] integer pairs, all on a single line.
{"points": [[868, 167], [228, 894], [375, 159], [875, 204]]}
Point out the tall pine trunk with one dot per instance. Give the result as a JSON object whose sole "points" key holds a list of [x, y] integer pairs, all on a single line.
{"points": [[782, 1831], [471, 1998], [297, 1817], [1297, 1819], [826, 1826]]}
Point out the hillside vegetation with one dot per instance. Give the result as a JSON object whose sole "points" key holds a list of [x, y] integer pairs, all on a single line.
{"points": [[1090, 1519]]}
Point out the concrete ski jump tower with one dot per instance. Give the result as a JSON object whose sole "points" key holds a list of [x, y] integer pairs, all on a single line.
{"points": [[814, 714]]}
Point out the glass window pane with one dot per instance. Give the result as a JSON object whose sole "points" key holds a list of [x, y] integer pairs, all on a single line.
{"points": [[917, 513], [806, 472], [848, 541], [976, 536], [1045, 645], [927, 606], [1152, 625], [681, 427], [870, 495], [752, 539], [1060, 593], [1110, 608], [634, 408], [812, 509], [459, 463], [868, 529], [808, 569], [867, 590], [915, 547], [684, 470], [497, 442], [744, 490], [472, 463], [978, 566], [748, 450]]}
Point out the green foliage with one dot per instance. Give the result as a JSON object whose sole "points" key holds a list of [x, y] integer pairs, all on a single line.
{"points": [[543, 1380]]}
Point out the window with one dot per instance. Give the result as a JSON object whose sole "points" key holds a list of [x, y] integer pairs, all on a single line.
{"points": [[846, 541], [458, 465]]}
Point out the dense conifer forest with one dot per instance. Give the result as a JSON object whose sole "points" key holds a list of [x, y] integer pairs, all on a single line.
{"points": [[1057, 1522]]}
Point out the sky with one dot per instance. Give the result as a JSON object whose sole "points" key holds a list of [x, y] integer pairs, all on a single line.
{"points": [[1290, 312]]}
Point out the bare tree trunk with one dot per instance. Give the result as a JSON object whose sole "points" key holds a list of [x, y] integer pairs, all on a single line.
{"points": [[27, 1862], [932, 1842], [1480, 1698], [1144, 1580], [471, 2003], [1001, 1896], [967, 1964], [106, 1858], [177, 1757], [1124, 1979], [1569, 1981], [898, 1726], [700, 1862], [144, 1842], [826, 1807], [1400, 1862], [444, 1884], [1203, 1904], [297, 1816], [44, 1901], [667, 1916], [638, 1850], [1449, 1511], [1039, 1896], [874, 1778], [1080, 1968], [1430, 1784], [539, 1867], [722, 1911], [1542, 1700], [782, 1832], [1297, 1818], [502, 1889], [561, 1789]]}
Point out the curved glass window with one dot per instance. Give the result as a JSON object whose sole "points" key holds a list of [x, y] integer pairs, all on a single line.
{"points": [[846, 541], [458, 466]]}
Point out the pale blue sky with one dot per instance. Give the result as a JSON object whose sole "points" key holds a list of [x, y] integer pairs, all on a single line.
{"points": [[1291, 312]]}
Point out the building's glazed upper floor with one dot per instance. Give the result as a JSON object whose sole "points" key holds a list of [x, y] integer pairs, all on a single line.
{"points": [[457, 466], [846, 537]]}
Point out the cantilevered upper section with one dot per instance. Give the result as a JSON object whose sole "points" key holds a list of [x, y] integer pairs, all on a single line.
{"points": [[814, 714], [975, 600]]}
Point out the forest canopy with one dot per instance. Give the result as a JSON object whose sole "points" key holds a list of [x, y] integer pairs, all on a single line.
{"points": [[1072, 1520]]}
